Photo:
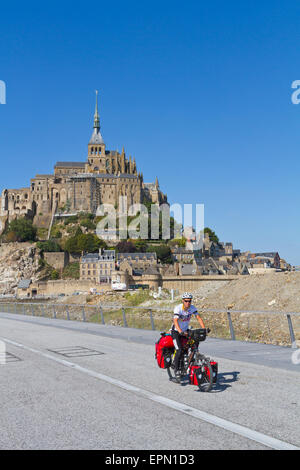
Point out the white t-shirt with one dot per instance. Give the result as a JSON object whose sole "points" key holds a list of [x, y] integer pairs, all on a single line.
{"points": [[184, 316]]}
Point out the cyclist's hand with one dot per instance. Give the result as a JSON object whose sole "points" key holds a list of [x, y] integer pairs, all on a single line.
{"points": [[208, 330], [184, 333]]}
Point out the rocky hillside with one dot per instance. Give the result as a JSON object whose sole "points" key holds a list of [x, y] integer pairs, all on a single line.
{"points": [[17, 261]]}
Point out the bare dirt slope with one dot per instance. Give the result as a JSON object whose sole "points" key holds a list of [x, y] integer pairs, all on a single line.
{"points": [[274, 292], [268, 292]]}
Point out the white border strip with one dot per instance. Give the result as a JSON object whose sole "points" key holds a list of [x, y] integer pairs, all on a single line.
{"points": [[195, 413]]}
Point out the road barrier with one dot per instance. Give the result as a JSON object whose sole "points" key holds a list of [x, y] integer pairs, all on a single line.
{"points": [[272, 327]]}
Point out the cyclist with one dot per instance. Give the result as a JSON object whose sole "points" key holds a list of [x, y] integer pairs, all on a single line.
{"points": [[182, 316]]}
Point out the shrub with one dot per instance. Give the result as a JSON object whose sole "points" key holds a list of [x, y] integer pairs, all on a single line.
{"points": [[10, 237], [85, 215], [42, 233], [137, 298], [50, 245], [54, 275], [23, 230], [163, 252], [84, 242], [140, 245], [56, 233], [71, 220], [177, 241], [71, 271], [87, 223], [126, 247]]}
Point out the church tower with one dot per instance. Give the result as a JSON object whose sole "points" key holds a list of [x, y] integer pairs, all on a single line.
{"points": [[96, 146]]}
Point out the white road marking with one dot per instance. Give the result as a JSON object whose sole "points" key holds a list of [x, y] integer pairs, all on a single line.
{"points": [[195, 413]]}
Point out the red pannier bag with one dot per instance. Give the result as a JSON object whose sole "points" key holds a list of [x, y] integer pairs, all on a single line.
{"points": [[164, 349], [214, 366], [193, 376]]}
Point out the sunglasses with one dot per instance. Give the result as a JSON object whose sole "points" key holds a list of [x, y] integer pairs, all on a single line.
{"points": [[187, 300]]}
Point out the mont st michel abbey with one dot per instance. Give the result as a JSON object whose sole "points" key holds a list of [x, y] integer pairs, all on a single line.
{"points": [[74, 187]]}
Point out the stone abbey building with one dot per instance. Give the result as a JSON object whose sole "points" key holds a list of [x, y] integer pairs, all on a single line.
{"points": [[81, 186]]}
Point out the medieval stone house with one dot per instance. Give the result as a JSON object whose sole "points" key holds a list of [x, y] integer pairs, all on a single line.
{"points": [[98, 267]]}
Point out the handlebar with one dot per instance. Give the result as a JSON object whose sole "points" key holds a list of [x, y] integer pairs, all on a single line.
{"points": [[203, 331], [198, 334]]}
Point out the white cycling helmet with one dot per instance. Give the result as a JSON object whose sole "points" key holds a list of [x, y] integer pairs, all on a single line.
{"points": [[186, 295]]}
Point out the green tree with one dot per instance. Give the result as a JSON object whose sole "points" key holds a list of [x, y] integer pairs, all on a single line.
{"points": [[71, 245], [126, 247], [23, 230], [89, 243], [163, 253], [178, 241], [140, 245], [212, 235]]}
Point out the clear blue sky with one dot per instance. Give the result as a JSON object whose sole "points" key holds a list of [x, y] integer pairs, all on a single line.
{"points": [[198, 92]]}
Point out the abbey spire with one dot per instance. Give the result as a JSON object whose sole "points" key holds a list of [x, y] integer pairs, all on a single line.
{"points": [[96, 115], [96, 136]]}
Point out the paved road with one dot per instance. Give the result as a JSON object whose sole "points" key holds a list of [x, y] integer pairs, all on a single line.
{"points": [[74, 385]]}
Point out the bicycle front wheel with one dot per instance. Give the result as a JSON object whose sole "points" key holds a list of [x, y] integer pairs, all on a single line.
{"points": [[205, 377]]}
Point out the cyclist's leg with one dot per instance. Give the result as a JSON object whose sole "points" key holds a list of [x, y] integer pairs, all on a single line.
{"points": [[177, 345]]}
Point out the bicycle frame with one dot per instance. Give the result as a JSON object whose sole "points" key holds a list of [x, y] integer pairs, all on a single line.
{"points": [[191, 359], [188, 354]]}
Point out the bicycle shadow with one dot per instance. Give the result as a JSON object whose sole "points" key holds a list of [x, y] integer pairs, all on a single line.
{"points": [[224, 381]]}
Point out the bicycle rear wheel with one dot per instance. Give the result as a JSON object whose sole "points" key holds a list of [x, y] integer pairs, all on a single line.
{"points": [[205, 377]]}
